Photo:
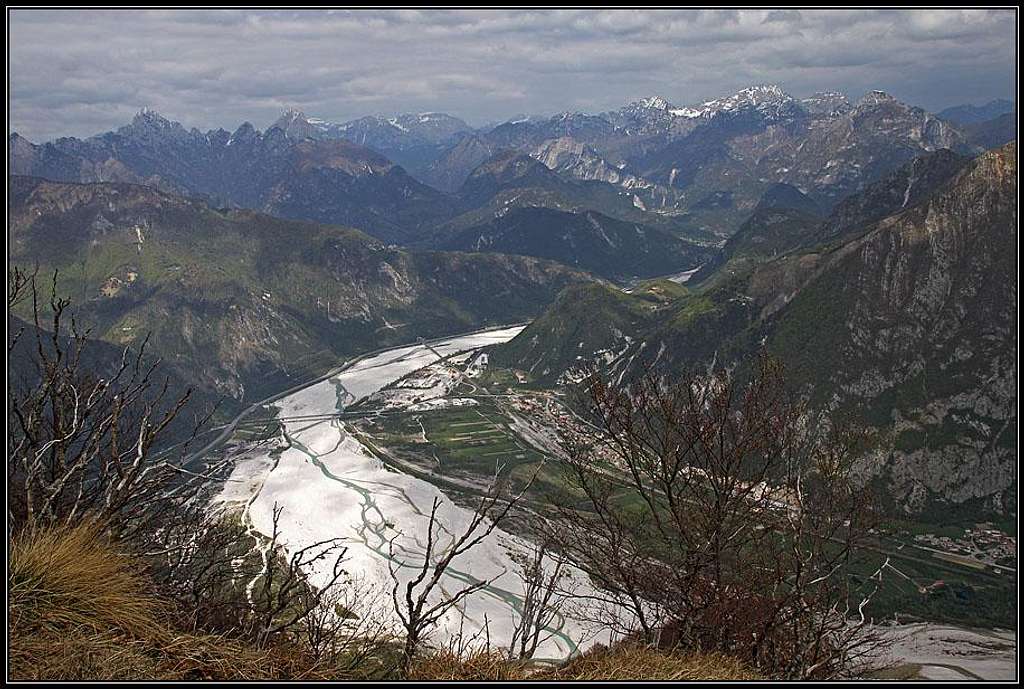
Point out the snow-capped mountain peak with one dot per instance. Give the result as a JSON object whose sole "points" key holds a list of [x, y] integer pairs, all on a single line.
{"points": [[875, 97], [151, 117], [764, 92], [766, 98], [828, 103], [292, 115], [653, 103], [297, 125]]}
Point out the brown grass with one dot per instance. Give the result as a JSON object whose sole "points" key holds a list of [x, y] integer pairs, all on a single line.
{"points": [[480, 666], [628, 662], [73, 577], [80, 609], [623, 662]]}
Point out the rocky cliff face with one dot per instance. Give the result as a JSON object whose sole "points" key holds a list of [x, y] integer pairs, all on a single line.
{"points": [[840, 155], [902, 188], [320, 179], [904, 324], [579, 161], [920, 339], [737, 147]]}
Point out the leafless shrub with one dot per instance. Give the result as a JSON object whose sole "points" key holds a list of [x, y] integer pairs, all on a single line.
{"points": [[83, 443], [347, 627], [424, 601], [19, 284], [90, 447], [281, 597], [542, 574], [722, 518]]}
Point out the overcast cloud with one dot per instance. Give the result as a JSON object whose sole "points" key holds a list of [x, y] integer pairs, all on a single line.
{"points": [[77, 73]]}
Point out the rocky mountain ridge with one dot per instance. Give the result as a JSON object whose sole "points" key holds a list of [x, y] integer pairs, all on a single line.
{"points": [[904, 324], [241, 303], [704, 165]]}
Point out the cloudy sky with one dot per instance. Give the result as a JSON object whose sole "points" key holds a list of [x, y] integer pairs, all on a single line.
{"points": [[82, 72]]}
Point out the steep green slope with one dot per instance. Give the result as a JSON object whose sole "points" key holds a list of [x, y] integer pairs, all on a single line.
{"points": [[99, 358], [243, 303], [912, 329], [329, 181], [772, 232], [585, 321], [588, 240], [907, 326], [618, 330]]}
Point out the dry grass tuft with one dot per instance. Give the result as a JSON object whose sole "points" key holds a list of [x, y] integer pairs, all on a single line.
{"points": [[84, 654], [623, 662], [82, 610], [630, 662], [74, 577], [479, 666]]}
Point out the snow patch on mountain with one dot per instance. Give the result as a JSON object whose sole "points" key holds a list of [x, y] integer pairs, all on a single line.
{"points": [[765, 98]]}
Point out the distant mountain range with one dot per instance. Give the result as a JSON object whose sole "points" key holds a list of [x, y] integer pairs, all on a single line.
{"points": [[973, 114], [898, 310], [244, 304], [870, 245], [332, 181], [697, 171]]}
